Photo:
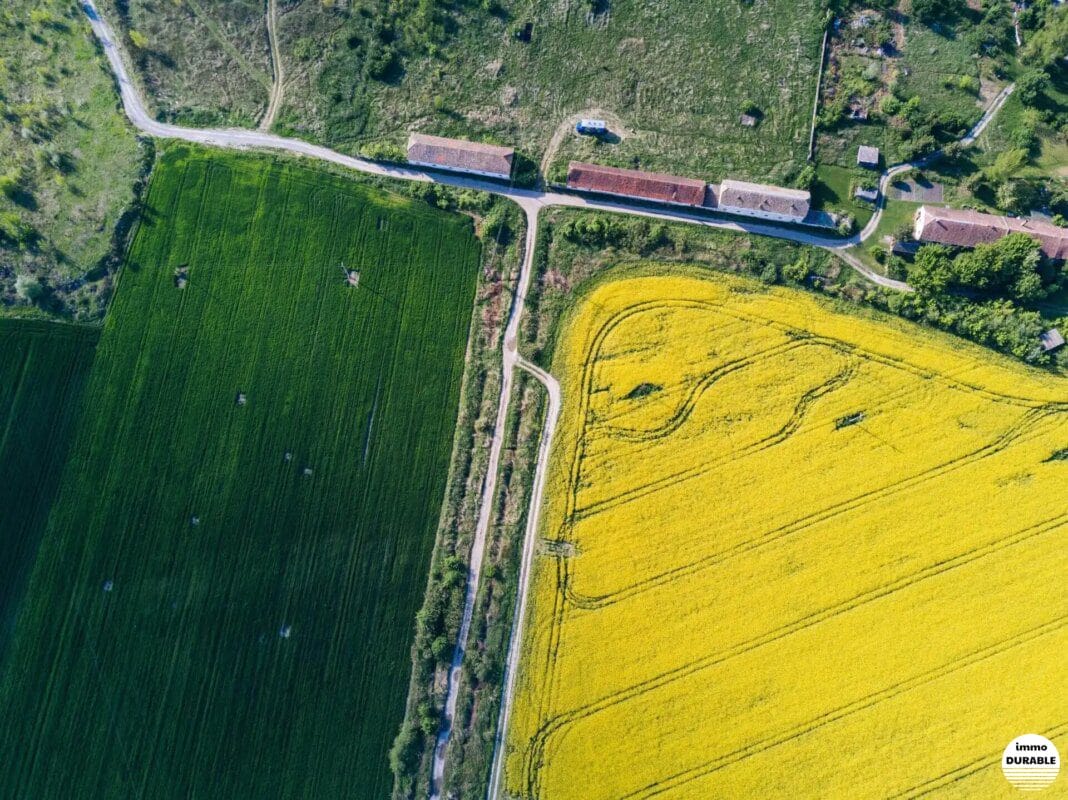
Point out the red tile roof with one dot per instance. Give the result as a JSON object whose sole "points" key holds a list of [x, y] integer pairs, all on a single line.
{"points": [[964, 228], [635, 183], [460, 154]]}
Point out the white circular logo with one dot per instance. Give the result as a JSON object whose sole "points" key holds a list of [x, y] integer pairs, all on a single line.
{"points": [[1031, 762]]}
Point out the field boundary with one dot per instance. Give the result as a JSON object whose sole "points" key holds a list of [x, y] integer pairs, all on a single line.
{"points": [[816, 102]]}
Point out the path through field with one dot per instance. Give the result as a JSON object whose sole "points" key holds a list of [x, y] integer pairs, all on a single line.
{"points": [[567, 126], [278, 85]]}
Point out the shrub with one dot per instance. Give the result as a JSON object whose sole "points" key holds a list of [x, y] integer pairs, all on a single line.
{"points": [[29, 288], [384, 151]]}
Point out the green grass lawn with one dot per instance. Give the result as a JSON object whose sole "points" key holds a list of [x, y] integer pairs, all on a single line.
{"points": [[43, 367], [831, 191], [896, 214], [223, 603]]}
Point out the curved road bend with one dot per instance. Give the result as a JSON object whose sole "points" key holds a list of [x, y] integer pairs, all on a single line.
{"points": [[531, 202]]}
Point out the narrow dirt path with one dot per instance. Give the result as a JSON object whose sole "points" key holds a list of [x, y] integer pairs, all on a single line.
{"points": [[526, 565], [566, 126], [511, 359], [278, 85]]}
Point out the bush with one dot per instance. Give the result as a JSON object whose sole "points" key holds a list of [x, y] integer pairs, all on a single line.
{"points": [[1031, 86], [799, 270], [384, 151], [29, 288], [14, 230]]}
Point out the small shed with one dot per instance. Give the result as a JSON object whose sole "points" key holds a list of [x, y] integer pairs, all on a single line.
{"points": [[906, 248], [868, 156], [748, 120], [1051, 340], [866, 194]]}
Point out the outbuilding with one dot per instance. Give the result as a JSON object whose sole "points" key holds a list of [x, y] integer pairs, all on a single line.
{"points": [[635, 184], [866, 194], [763, 201], [965, 228], [459, 155], [868, 157], [1051, 340]]}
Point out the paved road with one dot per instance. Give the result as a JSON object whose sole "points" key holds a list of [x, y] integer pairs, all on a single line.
{"points": [[531, 202]]}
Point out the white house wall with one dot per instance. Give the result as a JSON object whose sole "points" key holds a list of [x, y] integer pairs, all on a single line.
{"points": [[748, 212], [431, 165]]}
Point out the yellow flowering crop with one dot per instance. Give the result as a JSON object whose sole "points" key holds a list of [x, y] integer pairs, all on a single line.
{"points": [[789, 552]]}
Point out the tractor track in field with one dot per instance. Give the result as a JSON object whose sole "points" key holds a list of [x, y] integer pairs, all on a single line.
{"points": [[861, 705], [992, 759], [1026, 424], [530, 202], [553, 727]]}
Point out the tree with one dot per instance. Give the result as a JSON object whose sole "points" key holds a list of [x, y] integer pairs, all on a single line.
{"points": [[806, 177], [799, 270], [1050, 44], [932, 271], [1006, 165], [928, 11], [1015, 196], [1031, 86], [1008, 266], [1057, 191]]}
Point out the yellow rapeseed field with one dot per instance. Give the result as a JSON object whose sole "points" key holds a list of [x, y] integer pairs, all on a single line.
{"points": [[790, 552]]}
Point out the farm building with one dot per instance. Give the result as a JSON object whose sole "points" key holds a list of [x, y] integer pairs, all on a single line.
{"points": [[765, 202], [868, 156], [459, 155], [963, 228], [1051, 340], [636, 184]]}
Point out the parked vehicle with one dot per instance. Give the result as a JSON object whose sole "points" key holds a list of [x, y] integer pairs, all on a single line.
{"points": [[591, 127]]}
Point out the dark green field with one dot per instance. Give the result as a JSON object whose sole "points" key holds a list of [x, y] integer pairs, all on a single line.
{"points": [[223, 604], [43, 368]]}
